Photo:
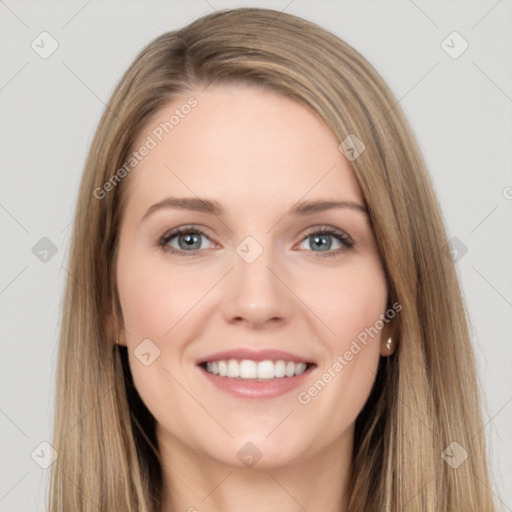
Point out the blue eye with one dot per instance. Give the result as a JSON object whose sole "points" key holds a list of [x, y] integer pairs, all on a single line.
{"points": [[189, 241], [322, 239]]}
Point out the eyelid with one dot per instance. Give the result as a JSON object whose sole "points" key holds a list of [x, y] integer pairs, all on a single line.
{"points": [[344, 238], [345, 241], [326, 228], [172, 233]]}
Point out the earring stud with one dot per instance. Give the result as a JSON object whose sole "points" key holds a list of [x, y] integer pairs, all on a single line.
{"points": [[388, 343]]}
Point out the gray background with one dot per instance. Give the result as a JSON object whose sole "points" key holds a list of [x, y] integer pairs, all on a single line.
{"points": [[460, 109]]}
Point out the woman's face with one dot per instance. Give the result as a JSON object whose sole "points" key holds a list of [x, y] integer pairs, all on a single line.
{"points": [[266, 273]]}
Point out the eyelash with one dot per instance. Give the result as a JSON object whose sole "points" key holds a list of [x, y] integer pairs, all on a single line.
{"points": [[342, 237]]}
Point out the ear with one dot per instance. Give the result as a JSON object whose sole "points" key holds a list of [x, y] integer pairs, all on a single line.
{"points": [[388, 343]]}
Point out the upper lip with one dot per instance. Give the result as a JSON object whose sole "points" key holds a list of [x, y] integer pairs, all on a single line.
{"points": [[254, 355]]}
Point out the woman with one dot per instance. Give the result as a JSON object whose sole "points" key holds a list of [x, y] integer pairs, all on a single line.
{"points": [[210, 357]]}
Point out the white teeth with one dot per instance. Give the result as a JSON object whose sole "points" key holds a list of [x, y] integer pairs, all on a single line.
{"points": [[248, 369], [233, 368], [280, 368], [266, 370], [300, 368]]}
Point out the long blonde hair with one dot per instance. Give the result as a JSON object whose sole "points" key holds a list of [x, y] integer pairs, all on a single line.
{"points": [[425, 396]]}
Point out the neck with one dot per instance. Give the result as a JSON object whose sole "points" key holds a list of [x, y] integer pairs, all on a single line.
{"points": [[193, 482]]}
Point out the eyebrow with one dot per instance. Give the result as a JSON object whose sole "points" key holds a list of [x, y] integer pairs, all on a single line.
{"points": [[213, 207]]}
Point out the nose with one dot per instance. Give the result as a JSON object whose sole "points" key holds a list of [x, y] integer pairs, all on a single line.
{"points": [[257, 293]]}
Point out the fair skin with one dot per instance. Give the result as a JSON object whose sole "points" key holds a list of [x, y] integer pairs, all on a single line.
{"points": [[257, 154]]}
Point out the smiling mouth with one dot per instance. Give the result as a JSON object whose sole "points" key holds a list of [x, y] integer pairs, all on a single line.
{"points": [[247, 369]]}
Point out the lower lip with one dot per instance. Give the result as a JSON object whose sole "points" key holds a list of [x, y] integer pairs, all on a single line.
{"points": [[245, 388]]}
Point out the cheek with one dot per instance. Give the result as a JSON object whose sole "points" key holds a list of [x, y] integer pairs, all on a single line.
{"points": [[147, 307], [155, 297], [153, 301], [353, 304], [350, 304], [349, 301]]}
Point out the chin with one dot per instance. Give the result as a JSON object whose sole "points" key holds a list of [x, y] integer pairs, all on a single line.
{"points": [[258, 452]]}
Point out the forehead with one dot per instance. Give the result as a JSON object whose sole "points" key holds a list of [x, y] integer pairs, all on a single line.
{"points": [[248, 147]]}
